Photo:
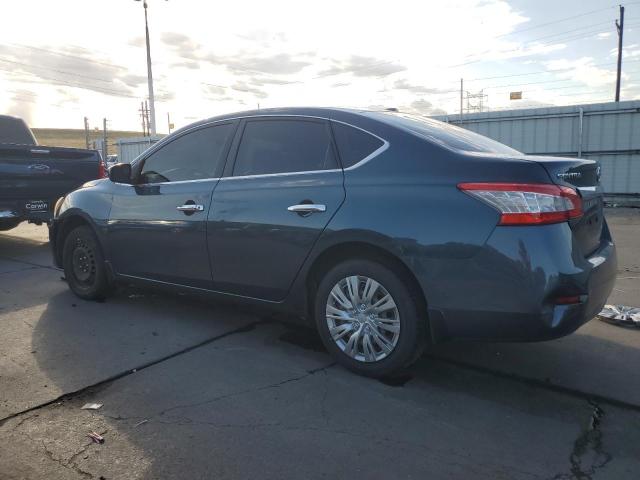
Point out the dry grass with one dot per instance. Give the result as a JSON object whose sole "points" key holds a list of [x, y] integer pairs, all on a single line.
{"points": [[69, 137]]}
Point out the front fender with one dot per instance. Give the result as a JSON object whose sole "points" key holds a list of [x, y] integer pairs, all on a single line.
{"points": [[90, 205]]}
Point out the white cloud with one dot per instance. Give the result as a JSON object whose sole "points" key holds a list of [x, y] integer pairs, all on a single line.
{"points": [[215, 57], [582, 70]]}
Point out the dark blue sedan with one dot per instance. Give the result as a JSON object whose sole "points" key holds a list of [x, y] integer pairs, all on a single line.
{"points": [[385, 231]]}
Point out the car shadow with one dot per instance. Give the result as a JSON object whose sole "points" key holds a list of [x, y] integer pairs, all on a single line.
{"points": [[80, 343]]}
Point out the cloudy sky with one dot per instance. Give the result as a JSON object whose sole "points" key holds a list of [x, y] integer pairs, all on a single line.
{"points": [[61, 60]]}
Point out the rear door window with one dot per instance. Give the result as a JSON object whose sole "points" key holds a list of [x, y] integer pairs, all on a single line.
{"points": [[283, 146], [354, 144]]}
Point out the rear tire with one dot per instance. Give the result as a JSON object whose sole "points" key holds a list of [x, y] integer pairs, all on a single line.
{"points": [[383, 316], [83, 264]]}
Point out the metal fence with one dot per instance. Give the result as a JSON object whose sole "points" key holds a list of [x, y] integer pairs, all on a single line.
{"points": [[130, 148], [606, 132]]}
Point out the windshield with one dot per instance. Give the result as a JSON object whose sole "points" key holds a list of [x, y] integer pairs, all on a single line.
{"points": [[446, 134]]}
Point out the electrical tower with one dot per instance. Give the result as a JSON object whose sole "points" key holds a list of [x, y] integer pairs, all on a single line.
{"points": [[476, 101], [144, 116]]}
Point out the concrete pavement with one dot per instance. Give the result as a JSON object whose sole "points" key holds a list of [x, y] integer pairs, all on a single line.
{"points": [[220, 393]]}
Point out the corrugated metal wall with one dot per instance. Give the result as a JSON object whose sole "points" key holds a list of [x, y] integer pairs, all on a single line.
{"points": [[606, 132], [130, 148]]}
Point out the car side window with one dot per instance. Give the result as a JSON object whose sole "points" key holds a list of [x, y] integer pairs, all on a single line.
{"points": [[281, 146], [194, 156], [354, 144]]}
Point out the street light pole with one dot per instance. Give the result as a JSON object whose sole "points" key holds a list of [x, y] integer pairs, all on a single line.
{"points": [[152, 103]]}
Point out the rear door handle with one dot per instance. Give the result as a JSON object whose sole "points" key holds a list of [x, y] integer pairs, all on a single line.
{"points": [[190, 208], [307, 208]]}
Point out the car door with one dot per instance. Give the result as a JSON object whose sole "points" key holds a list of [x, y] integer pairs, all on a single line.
{"points": [[272, 204], [157, 226]]}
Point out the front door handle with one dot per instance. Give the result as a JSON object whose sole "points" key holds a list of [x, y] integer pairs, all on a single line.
{"points": [[190, 208], [307, 208], [39, 167]]}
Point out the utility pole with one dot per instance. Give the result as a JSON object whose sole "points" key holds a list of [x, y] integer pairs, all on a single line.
{"points": [[146, 116], [152, 125], [86, 132], [143, 119], [169, 124], [620, 28], [105, 147], [461, 94]]}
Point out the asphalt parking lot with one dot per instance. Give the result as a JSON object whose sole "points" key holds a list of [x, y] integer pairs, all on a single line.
{"points": [[192, 389]]}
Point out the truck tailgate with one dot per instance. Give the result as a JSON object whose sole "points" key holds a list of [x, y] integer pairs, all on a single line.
{"points": [[32, 177]]}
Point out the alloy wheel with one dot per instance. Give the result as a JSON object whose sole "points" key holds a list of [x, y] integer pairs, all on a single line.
{"points": [[363, 318]]}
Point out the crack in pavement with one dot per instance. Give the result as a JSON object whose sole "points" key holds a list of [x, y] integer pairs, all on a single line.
{"points": [[186, 420], [534, 382], [65, 396], [32, 264], [23, 269], [66, 463], [244, 392], [589, 441]]}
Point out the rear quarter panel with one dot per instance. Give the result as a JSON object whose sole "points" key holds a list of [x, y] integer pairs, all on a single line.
{"points": [[406, 201]]}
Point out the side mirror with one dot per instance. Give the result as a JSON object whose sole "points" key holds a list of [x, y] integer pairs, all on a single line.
{"points": [[120, 173]]}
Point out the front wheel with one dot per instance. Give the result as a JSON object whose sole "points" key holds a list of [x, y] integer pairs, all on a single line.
{"points": [[368, 318], [83, 264]]}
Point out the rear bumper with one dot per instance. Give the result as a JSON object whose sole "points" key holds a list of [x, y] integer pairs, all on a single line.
{"points": [[510, 289], [17, 210]]}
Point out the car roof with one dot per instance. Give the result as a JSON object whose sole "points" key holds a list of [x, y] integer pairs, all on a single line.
{"points": [[305, 111], [347, 115]]}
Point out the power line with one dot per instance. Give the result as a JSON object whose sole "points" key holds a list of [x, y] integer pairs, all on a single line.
{"points": [[41, 67], [554, 22], [72, 74], [70, 55], [531, 44], [67, 83]]}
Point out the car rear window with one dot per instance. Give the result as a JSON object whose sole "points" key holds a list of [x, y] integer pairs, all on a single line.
{"points": [[447, 135], [354, 144]]}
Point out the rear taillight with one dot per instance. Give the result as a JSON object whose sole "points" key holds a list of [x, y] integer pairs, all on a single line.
{"points": [[528, 203], [102, 172]]}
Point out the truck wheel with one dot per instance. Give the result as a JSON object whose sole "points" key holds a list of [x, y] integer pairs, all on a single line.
{"points": [[83, 264], [368, 318]]}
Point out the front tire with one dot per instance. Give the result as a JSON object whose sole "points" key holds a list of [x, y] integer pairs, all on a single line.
{"points": [[83, 264], [368, 318]]}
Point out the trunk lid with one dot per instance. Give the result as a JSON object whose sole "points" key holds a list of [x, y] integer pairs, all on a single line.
{"points": [[584, 176]]}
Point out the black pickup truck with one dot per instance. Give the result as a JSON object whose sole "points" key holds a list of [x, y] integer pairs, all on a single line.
{"points": [[33, 177]]}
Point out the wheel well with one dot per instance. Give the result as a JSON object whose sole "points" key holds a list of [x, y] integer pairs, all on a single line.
{"points": [[67, 226], [346, 251]]}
